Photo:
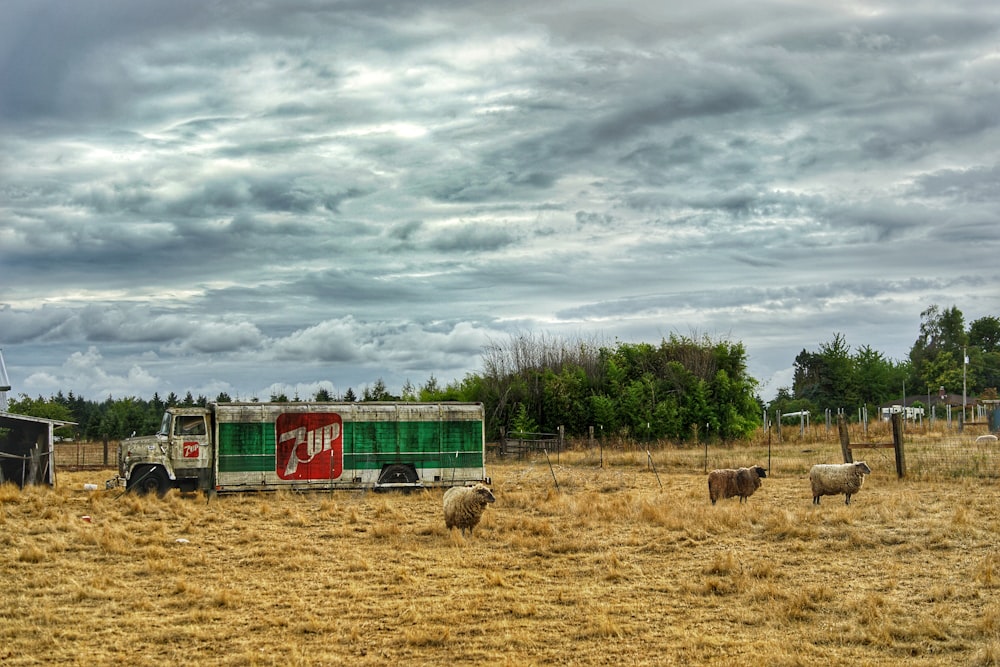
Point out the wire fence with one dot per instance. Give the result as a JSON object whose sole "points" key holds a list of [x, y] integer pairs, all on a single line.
{"points": [[928, 454], [80, 455], [953, 457]]}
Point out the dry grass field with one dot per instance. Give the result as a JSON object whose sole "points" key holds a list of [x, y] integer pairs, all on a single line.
{"points": [[624, 563]]}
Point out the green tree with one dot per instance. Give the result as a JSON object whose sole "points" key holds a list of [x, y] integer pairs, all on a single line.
{"points": [[53, 409], [120, 418], [523, 423], [408, 392], [988, 372], [604, 413], [635, 406], [943, 370], [40, 407], [667, 419], [984, 334], [564, 399], [430, 392], [453, 391], [872, 376], [376, 392], [736, 407], [984, 342], [734, 392], [697, 414], [826, 378], [941, 331]]}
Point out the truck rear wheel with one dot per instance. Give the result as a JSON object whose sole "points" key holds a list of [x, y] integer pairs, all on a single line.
{"points": [[397, 474], [149, 480]]}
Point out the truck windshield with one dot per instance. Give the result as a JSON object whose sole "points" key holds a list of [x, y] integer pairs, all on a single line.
{"points": [[164, 425]]}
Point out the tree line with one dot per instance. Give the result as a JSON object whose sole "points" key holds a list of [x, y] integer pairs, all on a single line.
{"points": [[835, 377], [683, 389], [117, 418]]}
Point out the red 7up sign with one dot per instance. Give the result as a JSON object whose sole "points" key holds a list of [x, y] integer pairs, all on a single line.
{"points": [[310, 445]]}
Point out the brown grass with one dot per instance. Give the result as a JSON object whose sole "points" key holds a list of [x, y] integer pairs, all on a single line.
{"points": [[610, 569]]}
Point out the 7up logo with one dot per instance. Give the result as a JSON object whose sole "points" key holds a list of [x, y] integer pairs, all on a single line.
{"points": [[310, 445]]}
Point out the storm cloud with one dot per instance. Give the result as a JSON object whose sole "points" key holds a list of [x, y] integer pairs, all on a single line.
{"points": [[231, 197]]}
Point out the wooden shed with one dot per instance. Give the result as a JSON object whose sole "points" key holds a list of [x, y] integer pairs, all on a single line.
{"points": [[27, 449]]}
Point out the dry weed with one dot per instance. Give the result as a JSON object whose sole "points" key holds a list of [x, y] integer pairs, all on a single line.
{"points": [[616, 564]]}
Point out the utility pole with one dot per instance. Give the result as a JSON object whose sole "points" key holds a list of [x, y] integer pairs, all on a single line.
{"points": [[4, 383], [965, 363]]}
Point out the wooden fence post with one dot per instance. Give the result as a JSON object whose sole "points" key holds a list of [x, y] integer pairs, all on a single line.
{"points": [[897, 442], [845, 438]]}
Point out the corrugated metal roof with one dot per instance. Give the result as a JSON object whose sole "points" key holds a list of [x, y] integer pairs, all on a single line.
{"points": [[5, 416]]}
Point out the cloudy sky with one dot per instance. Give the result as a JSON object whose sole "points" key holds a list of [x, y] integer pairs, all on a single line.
{"points": [[286, 195]]}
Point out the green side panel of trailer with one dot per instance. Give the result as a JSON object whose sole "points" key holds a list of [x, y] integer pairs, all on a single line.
{"points": [[246, 447], [370, 445], [250, 446]]}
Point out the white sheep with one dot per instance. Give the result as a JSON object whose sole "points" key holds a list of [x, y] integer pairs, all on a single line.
{"points": [[986, 439], [464, 505], [831, 479], [729, 482]]}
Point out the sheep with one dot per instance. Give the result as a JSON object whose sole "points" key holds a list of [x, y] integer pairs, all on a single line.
{"points": [[831, 479], [730, 482], [986, 439], [464, 505]]}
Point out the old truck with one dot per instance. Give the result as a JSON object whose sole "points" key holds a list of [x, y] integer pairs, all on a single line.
{"points": [[227, 447]]}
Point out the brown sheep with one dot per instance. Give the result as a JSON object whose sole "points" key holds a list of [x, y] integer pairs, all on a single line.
{"points": [[730, 482]]}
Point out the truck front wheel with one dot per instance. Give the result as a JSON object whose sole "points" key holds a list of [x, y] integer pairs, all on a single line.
{"points": [[149, 480]]}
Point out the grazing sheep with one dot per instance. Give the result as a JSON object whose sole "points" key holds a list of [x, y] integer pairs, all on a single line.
{"points": [[730, 482], [831, 479], [464, 505], [984, 439]]}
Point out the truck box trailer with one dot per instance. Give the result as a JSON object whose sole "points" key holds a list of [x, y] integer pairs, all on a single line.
{"points": [[227, 447]]}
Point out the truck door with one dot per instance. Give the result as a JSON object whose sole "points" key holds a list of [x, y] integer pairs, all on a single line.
{"points": [[190, 446]]}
